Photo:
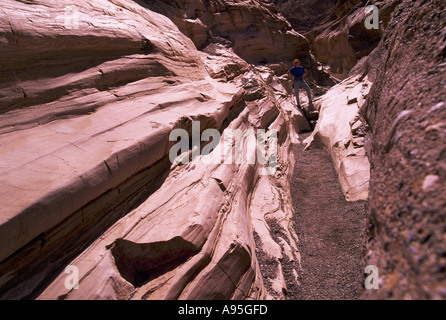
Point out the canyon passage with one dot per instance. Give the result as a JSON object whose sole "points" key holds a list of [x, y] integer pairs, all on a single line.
{"points": [[99, 202]]}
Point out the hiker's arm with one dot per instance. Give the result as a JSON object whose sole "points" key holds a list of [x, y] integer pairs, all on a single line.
{"points": [[289, 73], [305, 73]]}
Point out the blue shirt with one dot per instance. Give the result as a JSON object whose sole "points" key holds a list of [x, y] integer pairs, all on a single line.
{"points": [[298, 72]]}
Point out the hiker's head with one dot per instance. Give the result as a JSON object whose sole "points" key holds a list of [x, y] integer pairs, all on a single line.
{"points": [[296, 62]]}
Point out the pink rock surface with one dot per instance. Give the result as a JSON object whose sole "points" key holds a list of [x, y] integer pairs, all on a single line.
{"points": [[339, 131], [84, 141]]}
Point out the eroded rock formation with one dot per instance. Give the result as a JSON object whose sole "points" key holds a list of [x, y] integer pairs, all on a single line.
{"points": [[305, 15], [401, 124], [254, 29], [405, 113], [341, 131], [90, 93], [86, 178], [341, 39]]}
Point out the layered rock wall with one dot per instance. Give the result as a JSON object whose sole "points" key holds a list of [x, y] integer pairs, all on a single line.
{"points": [[88, 108], [305, 15], [92, 91], [405, 112], [402, 118], [341, 39], [254, 29], [342, 133]]}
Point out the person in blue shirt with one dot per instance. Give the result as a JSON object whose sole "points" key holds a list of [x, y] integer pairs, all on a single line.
{"points": [[298, 72]]}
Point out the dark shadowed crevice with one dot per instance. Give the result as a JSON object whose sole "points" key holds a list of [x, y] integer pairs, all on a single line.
{"points": [[139, 263]]}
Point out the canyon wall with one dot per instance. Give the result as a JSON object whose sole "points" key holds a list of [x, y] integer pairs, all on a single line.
{"points": [[341, 132], [401, 124], [90, 94], [405, 114], [306, 15], [254, 29], [340, 38]]}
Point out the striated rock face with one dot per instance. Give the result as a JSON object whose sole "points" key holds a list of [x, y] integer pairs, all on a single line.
{"points": [[403, 117], [87, 113], [306, 15], [341, 132], [406, 115], [94, 96], [254, 29]]}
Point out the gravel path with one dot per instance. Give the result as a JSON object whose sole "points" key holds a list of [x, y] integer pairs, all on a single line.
{"points": [[329, 228]]}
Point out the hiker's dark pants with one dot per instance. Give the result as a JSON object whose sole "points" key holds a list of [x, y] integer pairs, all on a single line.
{"points": [[300, 83]]}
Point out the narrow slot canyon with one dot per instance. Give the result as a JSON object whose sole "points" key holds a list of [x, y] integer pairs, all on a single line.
{"points": [[330, 229], [154, 150]]}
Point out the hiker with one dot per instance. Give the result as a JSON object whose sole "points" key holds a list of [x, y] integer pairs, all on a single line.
{"points": [[298, 72]]}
